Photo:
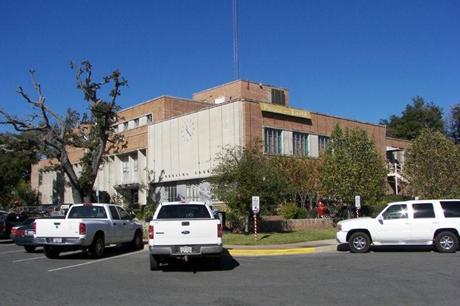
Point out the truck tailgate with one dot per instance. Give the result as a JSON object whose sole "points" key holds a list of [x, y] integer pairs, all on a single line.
{"points": [[185, 232], [57, 227]]}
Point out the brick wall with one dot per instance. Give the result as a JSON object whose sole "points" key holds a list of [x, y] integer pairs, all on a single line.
{"points": [[278, 224]]}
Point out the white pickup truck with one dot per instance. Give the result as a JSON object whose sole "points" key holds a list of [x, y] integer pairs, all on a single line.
{"points": [[184, 229], [89, 227], [421, 222]]}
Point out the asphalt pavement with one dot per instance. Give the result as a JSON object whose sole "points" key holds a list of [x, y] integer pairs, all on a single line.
{"points": [[122, 277]]}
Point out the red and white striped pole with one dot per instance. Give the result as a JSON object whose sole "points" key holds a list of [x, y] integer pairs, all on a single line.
{"points": [[255, 226]]}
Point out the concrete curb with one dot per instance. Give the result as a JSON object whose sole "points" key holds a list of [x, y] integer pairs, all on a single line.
{"points": [[322, 246]]}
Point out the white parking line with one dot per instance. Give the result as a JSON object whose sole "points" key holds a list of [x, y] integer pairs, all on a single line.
{"points": [[11, 252], [95, 261], [27, 259]]}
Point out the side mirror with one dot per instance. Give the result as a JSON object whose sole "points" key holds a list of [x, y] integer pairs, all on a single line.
{"points": [[380, 218], [148, 218]]}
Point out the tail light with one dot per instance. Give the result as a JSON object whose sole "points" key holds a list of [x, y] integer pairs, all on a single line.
{"points": [[150, 231], [219, 230], [82, 229], [20, 233], [13, 231], [34, 227]]}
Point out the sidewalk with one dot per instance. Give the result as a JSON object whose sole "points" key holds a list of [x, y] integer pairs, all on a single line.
{"points": [[320, 246]]}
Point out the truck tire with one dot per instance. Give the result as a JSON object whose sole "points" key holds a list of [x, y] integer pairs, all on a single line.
{"points": [[137, 243], [154, 264], [29, 248], [446, 242], [359, 242], [97, 247], [51, 251]]}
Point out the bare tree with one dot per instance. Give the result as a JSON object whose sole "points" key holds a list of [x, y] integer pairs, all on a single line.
{"points": [[57, 135]]}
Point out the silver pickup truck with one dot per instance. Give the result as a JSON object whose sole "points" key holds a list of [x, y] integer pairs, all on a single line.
{"points": [[88, 227], [184, 229]]}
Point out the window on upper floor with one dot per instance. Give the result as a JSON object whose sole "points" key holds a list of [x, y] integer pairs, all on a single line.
{"points": [[278, 97], [125, 126], [300, 144], [273, 141], [136, 122], [323, 142], [136, 163], [125, 164], [149, 119]]}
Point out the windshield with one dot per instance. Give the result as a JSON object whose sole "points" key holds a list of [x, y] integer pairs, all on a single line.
{"points": [[80, 212], [184, 211]]}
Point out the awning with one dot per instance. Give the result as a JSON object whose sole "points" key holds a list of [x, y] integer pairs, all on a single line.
{"points": [[283, 110]]}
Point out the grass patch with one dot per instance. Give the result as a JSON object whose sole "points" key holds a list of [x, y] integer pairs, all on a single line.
{"points": [[280, 238]]}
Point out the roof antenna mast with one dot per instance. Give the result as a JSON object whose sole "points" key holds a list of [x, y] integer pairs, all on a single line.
{"points": [[236, 57]]}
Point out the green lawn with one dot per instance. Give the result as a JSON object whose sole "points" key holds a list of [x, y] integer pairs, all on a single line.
{"points": [[280, 238]]}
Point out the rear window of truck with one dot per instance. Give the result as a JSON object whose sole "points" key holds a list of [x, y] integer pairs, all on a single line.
{"points": [[451, 209], [183, 211], [80, 212]]}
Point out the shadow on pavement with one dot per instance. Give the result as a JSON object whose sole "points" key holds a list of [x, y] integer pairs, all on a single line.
{"points": [[201, 264], [110, 251], [396, 248], [6, 241]]}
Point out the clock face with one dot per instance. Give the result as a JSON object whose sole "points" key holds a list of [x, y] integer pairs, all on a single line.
{"points": [[188, 130]]}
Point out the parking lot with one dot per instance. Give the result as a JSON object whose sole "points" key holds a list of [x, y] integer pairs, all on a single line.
{"points": [[122, 277]]}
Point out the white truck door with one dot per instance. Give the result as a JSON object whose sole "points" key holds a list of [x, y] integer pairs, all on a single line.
{"points": [[116, 226], [127, 233], [394, 225], [424, 223]]}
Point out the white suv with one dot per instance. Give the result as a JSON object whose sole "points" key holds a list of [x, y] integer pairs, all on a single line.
{"points": [[421, 222]]}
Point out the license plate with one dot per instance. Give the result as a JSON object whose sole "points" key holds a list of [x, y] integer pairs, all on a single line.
{"points": [[57, 240], [185, 249]]}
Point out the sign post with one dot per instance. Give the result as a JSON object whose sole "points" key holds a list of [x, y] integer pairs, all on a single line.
{"points": [[255, 211], [357, 205]]}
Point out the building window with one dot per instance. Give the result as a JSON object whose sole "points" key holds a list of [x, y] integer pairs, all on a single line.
{"points": [[300, 144], [273, 141], [136, 163], [278, 97], [125, 168], [125, 125], [149, 119], [193, 193], [171, 193], [323, 141], [136, 122]]}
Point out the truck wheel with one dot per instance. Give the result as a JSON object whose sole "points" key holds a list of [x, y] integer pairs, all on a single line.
{"points": [[97, 248], [446, 242], [154, 264], [137, 243], [29, 248], [51, 251], [359, 242]]}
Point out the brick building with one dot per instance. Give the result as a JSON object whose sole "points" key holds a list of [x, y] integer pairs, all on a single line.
{"points": [[172, 143]]}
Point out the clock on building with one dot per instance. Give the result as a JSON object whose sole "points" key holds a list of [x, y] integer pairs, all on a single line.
{"points": [[188, 130]]}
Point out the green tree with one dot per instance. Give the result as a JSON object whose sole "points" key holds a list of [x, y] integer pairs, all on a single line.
{"points": [[414, 118], [56, 133], [245, 172], [432, 166], [304, 175], [17, 154], [454, 123], [353, 166]]}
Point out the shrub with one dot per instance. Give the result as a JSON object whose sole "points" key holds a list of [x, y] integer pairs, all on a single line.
{"points": [[288, 211]]}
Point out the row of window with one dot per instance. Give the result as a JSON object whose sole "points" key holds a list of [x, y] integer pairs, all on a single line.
{"points": [[422, 211], [274, 142], [192, 193], [134, 123]]}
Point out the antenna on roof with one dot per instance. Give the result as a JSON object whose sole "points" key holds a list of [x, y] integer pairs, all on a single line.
{"points": [[236, 58]]}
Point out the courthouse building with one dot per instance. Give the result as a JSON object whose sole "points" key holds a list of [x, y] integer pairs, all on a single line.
{"points": [[171, 143]]}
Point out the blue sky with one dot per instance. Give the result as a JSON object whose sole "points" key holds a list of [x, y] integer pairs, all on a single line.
{"points": [[357, 59]]}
